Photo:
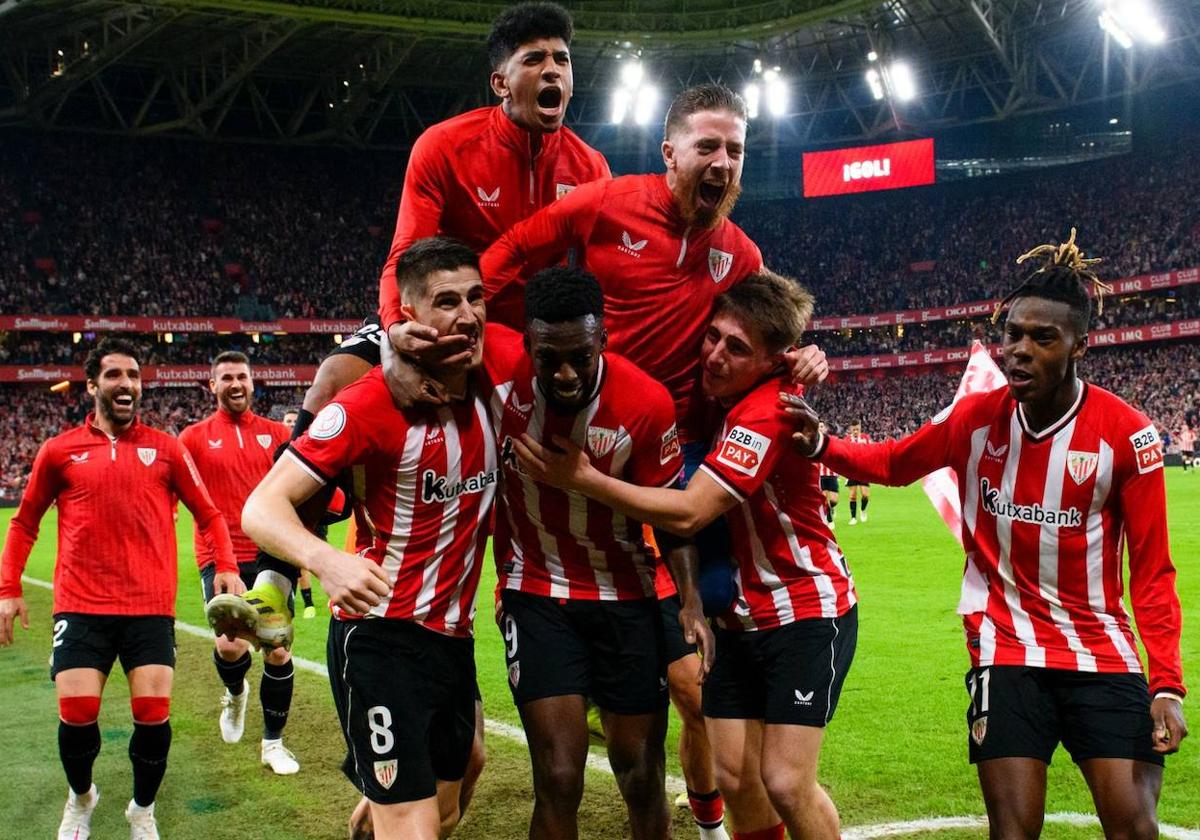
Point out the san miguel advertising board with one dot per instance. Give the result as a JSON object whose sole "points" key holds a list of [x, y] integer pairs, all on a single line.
{"points": [[859, 169]]}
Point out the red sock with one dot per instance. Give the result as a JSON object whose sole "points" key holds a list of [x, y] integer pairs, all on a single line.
{"points": [[708, 809], [775, 832]]}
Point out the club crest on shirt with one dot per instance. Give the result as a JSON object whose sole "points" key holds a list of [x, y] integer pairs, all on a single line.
{"points": [[719, 263], [385, 772], [979, 730], [147, 455], [601, 441], [562, 189], [1081, 465], [264, 441]]}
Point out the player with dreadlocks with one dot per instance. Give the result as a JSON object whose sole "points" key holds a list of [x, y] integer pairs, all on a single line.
{"points": [[1055, 474]]}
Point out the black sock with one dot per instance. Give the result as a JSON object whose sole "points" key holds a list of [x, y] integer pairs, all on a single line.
{"points": [[864, 504], [306, 594], [853, 508], [78, 747], [148, 750], [233, 674], [275, 694]]}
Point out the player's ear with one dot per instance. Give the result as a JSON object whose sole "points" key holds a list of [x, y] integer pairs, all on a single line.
{"points": [[603, 340], [212, 385], [668, 153], [499, 84]]}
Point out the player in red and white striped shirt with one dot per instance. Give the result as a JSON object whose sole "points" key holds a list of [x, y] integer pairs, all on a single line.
{"points": [[829, 488], [115, 481], [580, 615], [1055, 475], [854, 487], [786, 643], [401, 653]]}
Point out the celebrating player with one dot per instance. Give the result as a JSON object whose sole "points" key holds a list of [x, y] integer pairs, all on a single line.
{"points": [[580, 616], [786, 643], [401, 656], [115, 482], [1055, 474], [854, 487], [232, 449]]}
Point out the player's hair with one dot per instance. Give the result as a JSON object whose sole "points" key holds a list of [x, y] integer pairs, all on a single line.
{"points": [[425, 256], [777, 307], [523, 23], [107, 347], [1063, 275], [705, 97], [236, 357], [560, 294]]}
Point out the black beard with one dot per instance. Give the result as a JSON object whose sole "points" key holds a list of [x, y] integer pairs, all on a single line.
{"points": [[107, 407]]}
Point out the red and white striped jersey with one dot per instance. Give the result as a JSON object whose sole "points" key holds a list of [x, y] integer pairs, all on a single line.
{"points": [[1043, 516], [426, 479], [561, 544], [825, 472], [789, 566]]}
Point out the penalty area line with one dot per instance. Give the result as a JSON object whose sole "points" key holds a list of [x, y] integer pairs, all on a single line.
{"points": [[595, 760]]}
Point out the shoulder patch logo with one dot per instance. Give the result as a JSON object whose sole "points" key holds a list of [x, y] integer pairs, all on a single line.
{"points": [[562, 189], [943, 415], [743, 450], [328, 423], [385, 772], [670, 445], [264, 441], [1147, 449], [1081, 465], [628, 246], [601, 441], [488, 199], [147, 454], [719, 263]]}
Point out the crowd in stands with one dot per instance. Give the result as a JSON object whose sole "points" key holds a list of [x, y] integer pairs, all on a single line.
{"points": [[30, 414], [1163, 381], [40, 348], [262, 233]]}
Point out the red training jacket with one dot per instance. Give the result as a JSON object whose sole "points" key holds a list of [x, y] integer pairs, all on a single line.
{"points": [[116, 529], [473, 177]]}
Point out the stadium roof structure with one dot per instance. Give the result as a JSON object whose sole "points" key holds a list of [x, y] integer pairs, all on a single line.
{"points": [[374, 73]]}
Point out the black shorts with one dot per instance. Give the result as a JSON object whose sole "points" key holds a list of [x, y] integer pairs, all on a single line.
{"points": [[246, 571], [1021, 712], [790, 674], [829, 483], [609, 651], [405, 697], [82, 640], [364, 342], [675, 644], [850, 482]]}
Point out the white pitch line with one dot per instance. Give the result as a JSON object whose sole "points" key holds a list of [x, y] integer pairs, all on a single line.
{"points": [[595, 761], [934, 824]]}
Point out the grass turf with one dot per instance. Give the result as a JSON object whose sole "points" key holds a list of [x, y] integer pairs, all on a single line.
{"points": [[895, 751]]}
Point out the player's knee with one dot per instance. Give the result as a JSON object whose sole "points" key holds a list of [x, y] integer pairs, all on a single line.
{"points": [[277, 656], [789, 788], [450, 816], [734, 784], [79, 711], [685, 696], [150, 710], [1133, 827], [559, 784]]}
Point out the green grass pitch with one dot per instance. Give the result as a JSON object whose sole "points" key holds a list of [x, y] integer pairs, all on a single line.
{"points": [[895, 751]]}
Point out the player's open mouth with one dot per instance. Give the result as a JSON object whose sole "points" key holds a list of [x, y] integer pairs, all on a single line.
{"points": [[123, 400], [710, 194], [1019, 377], [550, 100]]}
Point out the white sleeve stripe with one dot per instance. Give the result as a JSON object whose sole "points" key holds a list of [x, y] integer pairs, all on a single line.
{"points": [[725, 485], [304, 465]]}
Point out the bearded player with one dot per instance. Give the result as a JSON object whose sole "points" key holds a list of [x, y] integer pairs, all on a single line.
{"points": [[1056, 475]]}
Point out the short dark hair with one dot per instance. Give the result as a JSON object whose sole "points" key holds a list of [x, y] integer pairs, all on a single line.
{"points": [[108, 347], [706, 97], [1063, 275], [776, 306], [425, 256], [523, 23], [559, 294], [236, 357]]}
